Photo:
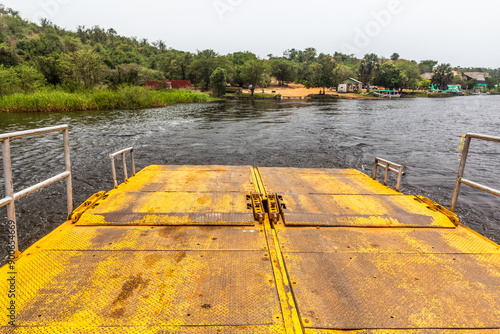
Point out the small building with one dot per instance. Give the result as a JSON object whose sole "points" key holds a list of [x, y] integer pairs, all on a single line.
{"points": [[479, 76], [427, 75], [350, 86]]}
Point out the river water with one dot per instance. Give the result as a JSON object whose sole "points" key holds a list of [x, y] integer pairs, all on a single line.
{"points": [[422, 134]]}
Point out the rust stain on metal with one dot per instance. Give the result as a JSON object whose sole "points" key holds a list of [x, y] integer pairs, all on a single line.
{"points": [[178, 257], [128, 288]]}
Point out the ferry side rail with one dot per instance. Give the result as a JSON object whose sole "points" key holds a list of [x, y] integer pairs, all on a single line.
{"points": [[124, 161], [389, 167], [460, 179], [12, 196]]}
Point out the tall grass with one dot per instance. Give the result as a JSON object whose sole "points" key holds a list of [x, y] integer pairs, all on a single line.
{"points": [[98, 99]]}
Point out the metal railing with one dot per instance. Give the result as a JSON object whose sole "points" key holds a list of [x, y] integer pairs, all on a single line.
{"points": [[11, 196], [122, 153], [389, 167], [466, 145]]}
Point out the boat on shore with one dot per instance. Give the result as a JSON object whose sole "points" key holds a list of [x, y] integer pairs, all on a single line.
{"points": [[242, 249], [387, 93]]}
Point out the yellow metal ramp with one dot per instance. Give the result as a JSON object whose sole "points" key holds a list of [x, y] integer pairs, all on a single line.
{"points": [[345, 198], [108, 279], [418, 274], [178, 195], [177, 249]]}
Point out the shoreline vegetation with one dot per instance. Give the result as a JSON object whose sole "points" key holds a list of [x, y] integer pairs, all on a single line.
{"points": [[126, 97], [44, 67], [133, 97]]}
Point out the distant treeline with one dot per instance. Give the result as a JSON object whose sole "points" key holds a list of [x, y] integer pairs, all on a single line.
{"points": [[42, 56]]}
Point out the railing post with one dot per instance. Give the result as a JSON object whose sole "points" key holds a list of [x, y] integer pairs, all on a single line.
{"points": [[400, 175], [113, 169], [375, 169], [133, 162], [386, 173], [465, 152], [69, 182], [124, 161], [9, 192], [122, 153]]}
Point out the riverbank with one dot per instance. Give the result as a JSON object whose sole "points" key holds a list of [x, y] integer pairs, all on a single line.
{"points": [[295, 91], [98, 99]]}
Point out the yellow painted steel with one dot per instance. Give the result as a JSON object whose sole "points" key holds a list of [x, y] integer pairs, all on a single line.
{"points": [[399, 279], [322, 181], [403, 331], [78, 212], [177, 249]]}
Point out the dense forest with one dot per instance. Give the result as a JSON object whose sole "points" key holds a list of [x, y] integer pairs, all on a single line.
{"points": [[43, 56]]}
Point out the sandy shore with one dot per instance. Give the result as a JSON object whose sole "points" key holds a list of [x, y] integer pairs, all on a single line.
{"points": [[298, 91]]}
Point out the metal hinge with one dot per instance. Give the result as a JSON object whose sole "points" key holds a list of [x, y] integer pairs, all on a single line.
{"points": [[258, 208], [78, 212], [274, 208]]}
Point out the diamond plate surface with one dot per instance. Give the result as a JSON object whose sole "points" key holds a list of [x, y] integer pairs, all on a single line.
{"points": [[147, 330], [170, 208], [134, 288], [323, 181], [192, 179], [360, 210], [394, 240], [156, 239], [396, 291], [402, 331]]}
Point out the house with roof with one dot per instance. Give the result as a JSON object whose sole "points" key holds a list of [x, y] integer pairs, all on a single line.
{"points": [[350, 85], [479, 76], [427, 75]]}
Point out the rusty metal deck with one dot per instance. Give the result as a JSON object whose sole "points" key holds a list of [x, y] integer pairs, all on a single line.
{"points": [[176, 249], [178, 195], [345, 198]]}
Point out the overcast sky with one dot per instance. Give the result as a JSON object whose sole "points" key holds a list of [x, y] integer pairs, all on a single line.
{"points": [[463, 33]]}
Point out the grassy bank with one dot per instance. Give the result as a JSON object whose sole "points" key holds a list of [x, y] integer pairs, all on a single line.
{"points": [[98, 99]]}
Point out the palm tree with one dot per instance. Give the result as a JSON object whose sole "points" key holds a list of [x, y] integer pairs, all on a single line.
{"points": [[367, 69], [443, 76]]}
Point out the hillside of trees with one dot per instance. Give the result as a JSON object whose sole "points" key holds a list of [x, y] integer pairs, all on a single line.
{"points": [[37, 56]]}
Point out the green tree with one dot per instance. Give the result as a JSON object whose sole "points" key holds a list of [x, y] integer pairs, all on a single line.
{"points": [[8, 55], [427, 66], [424, 83], [322, 72], [252, 72], [389, 77], [204, 65], [410, 74], [218, 80], [368, 67], [341, 73], [50, 67], [443, 76], [30, 79], [471, 84], [9, 82], [83, 67], [459, 80], [239, 59], [282, 70], [491, 82], [395, 56], [174, 64]]}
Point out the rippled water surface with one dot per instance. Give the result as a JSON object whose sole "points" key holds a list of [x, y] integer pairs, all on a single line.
{"points": [[422, 134]]}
